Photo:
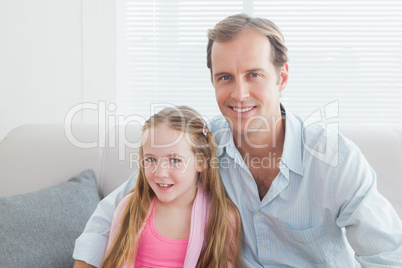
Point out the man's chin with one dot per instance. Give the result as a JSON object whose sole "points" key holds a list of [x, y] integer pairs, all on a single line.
{"points": [[238, 131]]}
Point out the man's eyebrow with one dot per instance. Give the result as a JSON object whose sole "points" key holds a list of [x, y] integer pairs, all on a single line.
{"points": [[255, 70], [247, 71], [221, 73]]}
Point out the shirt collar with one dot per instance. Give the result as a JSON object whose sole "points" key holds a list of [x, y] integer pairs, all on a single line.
{"points": [[292, 155], [224, 139]]}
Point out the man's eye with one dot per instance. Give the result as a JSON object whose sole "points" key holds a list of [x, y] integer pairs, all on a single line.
{"points": [[225, 77], [175, 160], [255, 75]]}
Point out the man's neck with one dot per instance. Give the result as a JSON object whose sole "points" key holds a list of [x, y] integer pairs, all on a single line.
{"points": [[262, 152], [261, 144]]}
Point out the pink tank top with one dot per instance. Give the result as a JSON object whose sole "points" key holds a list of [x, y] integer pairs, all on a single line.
{"points": [[156, 250]]}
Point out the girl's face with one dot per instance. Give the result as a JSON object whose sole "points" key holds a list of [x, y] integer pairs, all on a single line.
{"points": [[170, 165]]}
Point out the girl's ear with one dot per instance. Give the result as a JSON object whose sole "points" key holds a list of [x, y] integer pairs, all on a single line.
{"points": [[201, 165]]}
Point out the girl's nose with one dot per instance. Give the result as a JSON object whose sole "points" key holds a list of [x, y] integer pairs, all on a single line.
{"points": [[162, 169]]}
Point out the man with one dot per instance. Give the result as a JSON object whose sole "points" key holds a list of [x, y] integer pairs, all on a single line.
{"points": [[306, 195]]}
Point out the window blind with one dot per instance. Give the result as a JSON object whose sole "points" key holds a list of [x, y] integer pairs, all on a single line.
{"points": [[342, 54]]}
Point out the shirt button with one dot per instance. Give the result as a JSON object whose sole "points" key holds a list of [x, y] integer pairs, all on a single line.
{"points": [[250, 179], [263, 245], [258, 213]]}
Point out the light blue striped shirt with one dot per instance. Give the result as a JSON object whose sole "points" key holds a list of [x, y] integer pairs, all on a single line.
{"points": [[322, 209]]}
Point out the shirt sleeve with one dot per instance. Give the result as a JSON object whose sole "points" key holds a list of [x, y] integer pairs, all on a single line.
{"points": [[90, 246], [373, 228]]}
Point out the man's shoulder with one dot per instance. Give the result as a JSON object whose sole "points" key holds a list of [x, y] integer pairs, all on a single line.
{"points": [[326, 144], [327, 135], [217, 123], [221, 131], [321, 141]]}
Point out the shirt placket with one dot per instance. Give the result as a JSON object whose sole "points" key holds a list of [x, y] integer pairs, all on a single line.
{"points": [[264, 236]]}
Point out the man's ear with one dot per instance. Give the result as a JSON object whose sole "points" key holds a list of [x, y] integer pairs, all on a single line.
{"points": [[283, 76]]}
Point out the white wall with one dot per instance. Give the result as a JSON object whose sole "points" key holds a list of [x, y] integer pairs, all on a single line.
{"points": [[53, 56]]}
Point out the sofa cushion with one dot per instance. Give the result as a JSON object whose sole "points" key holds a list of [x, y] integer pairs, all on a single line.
{"points": [[38, 229]]}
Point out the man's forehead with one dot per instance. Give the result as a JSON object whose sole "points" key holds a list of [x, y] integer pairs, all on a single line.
{"points": [[247, 49], [248, 62]]}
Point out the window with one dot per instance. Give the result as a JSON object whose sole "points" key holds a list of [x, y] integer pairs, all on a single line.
{"points": [[345, 55]]}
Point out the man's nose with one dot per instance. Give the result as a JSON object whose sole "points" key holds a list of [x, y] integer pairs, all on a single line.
{"points": [[240, 91]]}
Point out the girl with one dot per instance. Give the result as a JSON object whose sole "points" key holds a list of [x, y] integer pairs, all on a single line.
{"points": [[178, 215]]}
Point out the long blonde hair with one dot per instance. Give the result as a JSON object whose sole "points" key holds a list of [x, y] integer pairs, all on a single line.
{"points": [[223, 230]]}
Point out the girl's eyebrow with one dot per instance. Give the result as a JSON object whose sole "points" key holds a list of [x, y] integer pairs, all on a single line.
{"points": [[168, 155], [175, 155], [149, 155]]}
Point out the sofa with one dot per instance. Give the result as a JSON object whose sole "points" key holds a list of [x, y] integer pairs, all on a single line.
{"points": [[52, 176], [51, 179]]}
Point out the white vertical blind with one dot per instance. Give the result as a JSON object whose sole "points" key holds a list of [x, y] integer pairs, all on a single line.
{"points": [[347, 53]]}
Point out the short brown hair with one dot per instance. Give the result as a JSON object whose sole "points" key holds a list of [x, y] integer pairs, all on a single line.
{"points": [[229, 28]]}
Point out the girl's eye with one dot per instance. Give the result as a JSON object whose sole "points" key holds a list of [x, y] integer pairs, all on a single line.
{"points": [[175, 160], [150, 159]]}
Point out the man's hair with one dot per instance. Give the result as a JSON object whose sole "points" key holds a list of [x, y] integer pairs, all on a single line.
{"points": [[229, 28]]}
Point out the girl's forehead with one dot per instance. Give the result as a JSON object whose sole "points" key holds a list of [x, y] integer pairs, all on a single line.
{"points": [[164, 137]]}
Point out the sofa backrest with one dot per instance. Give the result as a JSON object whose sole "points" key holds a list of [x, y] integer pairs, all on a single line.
{"points": [[383, 150], [33, 157]]}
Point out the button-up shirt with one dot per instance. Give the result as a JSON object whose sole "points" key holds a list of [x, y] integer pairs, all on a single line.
{"points": [[322, 209]]}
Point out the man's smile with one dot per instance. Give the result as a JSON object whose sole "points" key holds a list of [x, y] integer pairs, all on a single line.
{"points": [[242, 110]]}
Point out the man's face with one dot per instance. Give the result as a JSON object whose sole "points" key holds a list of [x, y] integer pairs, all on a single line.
{"points": [[246, 83]]}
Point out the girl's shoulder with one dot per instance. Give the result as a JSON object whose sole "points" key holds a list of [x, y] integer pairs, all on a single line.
{"points": [[116, 220], [126, 198], [122, 205]]}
